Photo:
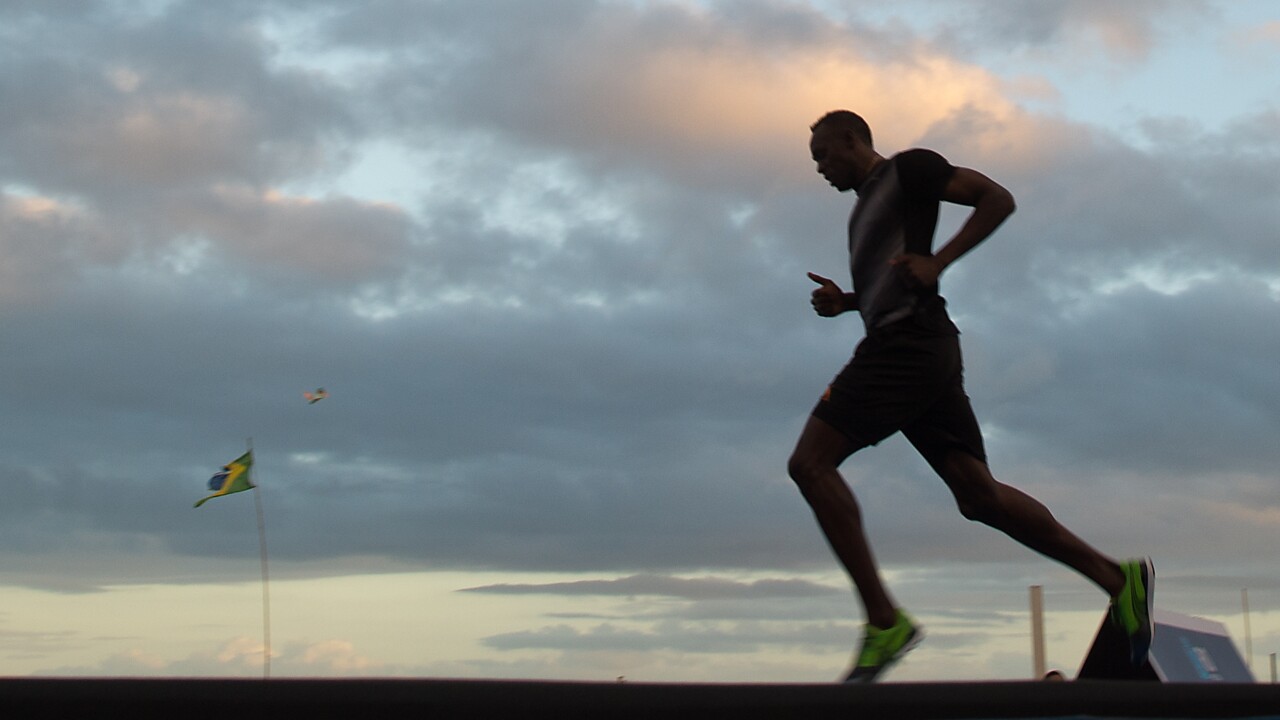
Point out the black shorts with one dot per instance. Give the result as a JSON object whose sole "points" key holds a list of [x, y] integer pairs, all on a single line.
{"points": [[906, 378]]}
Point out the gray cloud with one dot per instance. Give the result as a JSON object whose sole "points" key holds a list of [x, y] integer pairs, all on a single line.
{"points": [[742, 638], [115, 105], [587, 345], [1127, 32], [688, 588]]}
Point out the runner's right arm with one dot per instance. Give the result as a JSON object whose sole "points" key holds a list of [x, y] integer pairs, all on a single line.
{"points": [[829, 300]]}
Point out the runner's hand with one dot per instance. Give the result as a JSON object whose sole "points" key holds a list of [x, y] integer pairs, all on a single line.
{"points": [[828, 299], [919, 270]]}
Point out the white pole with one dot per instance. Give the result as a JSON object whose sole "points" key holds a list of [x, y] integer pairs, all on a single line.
{"points": [[1248, 635], [266, 587], [1039, 666]]}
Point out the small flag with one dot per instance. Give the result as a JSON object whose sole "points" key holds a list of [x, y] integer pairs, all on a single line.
{"points": [[233, 478]]}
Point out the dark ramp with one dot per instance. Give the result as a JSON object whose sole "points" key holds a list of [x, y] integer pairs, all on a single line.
{"points": [[1185, 649], [130, 699]]}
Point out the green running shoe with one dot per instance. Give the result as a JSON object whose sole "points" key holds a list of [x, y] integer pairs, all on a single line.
{"points": [[1131, 609], [881, 648]]}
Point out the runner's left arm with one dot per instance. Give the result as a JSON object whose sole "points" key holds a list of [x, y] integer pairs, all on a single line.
{"points": [[991, 204]]}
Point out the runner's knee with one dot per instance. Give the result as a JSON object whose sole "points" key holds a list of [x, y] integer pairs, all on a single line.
{"points": [[806, 471], [800, 469], [976, 492], [979, 507]]}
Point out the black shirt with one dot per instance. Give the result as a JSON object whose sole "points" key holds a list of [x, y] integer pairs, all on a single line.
{"points": [[896, 213]]}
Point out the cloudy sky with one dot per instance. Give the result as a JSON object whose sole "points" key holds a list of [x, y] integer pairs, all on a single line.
{"points": [[549, 260]]}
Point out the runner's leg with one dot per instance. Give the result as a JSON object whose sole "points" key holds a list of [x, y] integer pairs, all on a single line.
{"points": [[814, 468], [984, 499]]}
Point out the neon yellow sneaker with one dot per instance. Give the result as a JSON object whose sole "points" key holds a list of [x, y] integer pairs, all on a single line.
{"points": [[1131, 609], [881, 648]]}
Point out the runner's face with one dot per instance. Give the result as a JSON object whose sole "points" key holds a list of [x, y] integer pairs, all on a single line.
{"points": [[832, 150]]}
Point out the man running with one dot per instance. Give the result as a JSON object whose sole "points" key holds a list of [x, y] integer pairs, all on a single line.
{"points": [[906, 376]]}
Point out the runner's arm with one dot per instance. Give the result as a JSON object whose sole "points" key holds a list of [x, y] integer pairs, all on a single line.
{"points": [[829, 300], [991, 204]]}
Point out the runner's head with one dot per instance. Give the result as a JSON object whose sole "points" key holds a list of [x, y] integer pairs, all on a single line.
{"points": [[841, 146], [845, 120]]}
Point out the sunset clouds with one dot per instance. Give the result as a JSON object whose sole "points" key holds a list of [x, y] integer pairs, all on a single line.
{"points": [[549, 260]]}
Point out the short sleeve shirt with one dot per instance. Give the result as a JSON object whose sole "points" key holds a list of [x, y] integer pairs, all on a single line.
{"points": [[896, 213]]}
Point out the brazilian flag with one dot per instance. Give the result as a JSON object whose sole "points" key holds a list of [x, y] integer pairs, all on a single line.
{"points": [[232, 478]]}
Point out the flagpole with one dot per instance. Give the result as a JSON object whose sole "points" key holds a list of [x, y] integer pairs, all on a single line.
{"points": [[266, 591]]}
